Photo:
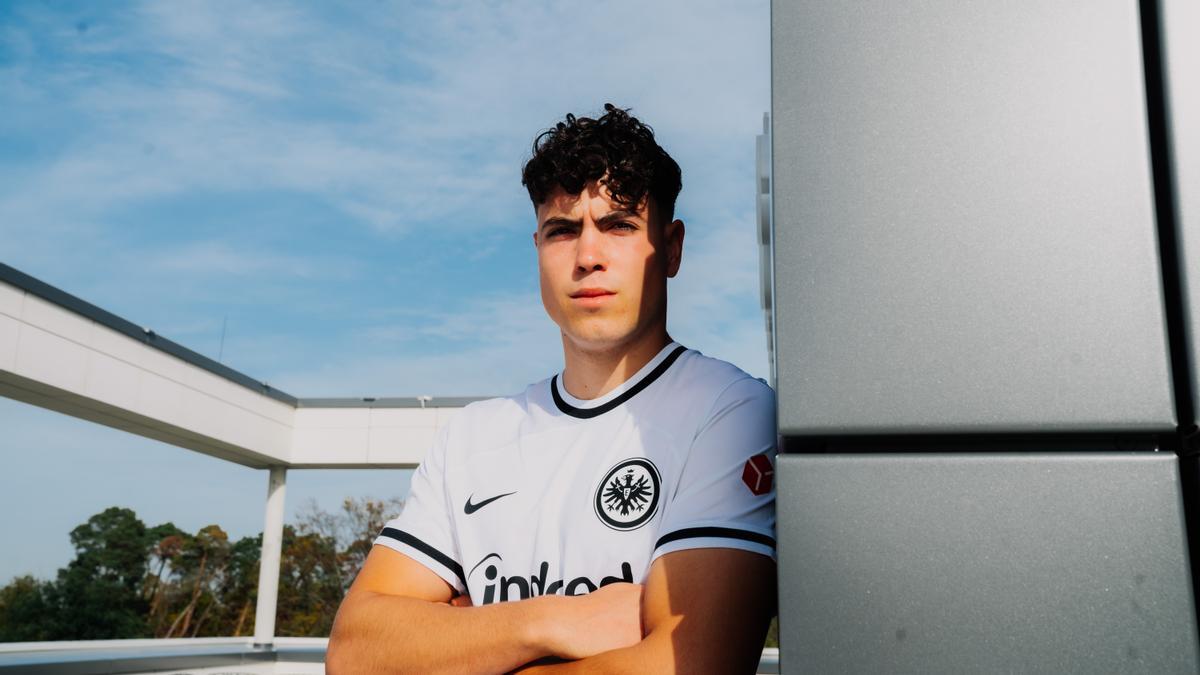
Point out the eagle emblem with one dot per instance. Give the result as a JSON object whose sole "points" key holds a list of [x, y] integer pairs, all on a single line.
{"points": [[627, 496]]}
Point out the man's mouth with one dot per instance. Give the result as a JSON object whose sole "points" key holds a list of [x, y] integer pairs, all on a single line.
{"points": [[592, 293]]}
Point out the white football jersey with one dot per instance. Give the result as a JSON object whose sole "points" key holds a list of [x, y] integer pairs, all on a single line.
{"points": [[544, 493]]}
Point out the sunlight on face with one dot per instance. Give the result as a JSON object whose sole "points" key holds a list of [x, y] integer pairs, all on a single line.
{"points": [[604, 268]]}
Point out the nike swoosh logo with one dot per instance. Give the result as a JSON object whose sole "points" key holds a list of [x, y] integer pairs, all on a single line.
{"points": [[470, 508]]}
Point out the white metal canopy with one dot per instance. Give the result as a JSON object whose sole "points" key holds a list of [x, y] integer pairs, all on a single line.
{"points": [[58, 352]]}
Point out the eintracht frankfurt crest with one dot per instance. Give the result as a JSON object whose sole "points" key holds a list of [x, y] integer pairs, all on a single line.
{"points": [[628, 496]]}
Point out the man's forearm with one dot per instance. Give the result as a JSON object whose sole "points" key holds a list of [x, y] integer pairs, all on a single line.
{"points": [[654, 654], [658, 653], [379, 633]]}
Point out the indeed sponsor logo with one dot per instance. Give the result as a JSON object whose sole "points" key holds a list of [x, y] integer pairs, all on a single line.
{"points": [[523, 588]]}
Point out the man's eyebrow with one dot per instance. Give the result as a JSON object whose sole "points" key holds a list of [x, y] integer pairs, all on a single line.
{"points": [[578, 222], [615, 215], [559, 220]]}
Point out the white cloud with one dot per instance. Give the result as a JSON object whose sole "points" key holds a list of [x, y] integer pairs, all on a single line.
{"points": [[218, 258]]}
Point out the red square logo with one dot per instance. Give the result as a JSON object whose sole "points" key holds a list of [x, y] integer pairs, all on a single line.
{"points": [[758, 475]]}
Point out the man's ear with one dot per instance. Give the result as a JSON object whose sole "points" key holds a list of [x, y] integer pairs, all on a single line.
{"points": [[674, 242], [537, 224]]}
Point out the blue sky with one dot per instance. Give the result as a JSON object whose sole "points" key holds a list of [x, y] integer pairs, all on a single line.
{"points": [[341, 187]]}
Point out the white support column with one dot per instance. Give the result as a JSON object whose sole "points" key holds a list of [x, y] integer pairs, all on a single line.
{"points": [[268, 568]]}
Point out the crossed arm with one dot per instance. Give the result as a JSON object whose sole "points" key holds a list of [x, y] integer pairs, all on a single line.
{"points": [[701, 610]]}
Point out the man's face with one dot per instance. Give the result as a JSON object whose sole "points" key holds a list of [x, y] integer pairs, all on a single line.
{"points": [[604, 268]]}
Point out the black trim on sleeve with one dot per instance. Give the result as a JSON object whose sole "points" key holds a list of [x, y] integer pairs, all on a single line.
{"points": [[718, 532], [588, 413], [445, 560]]}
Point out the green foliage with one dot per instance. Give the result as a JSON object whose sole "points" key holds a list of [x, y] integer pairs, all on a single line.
{"points": [[97, 596], [310, 582], [129, 581], [25, 611], [111, 546]]}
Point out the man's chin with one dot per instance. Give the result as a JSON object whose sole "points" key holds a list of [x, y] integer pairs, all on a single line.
{"points": [[592, 339]]}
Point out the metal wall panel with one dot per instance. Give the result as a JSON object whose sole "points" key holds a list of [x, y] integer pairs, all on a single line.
{"points": [[958, 563], [964, 229], [1181, 52]]}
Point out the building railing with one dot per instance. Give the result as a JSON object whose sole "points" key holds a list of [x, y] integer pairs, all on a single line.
{"points": [[87, 657]]}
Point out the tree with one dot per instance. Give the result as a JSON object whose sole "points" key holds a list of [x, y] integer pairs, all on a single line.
{"points": [[200, 566], [239, 588], [128, 580], [170, 543], [321, 557], [310, 584], [25, 611], [363, 521], [98, 596], [352, 531]]}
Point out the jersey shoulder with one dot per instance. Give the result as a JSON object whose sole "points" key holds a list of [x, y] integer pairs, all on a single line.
{"points": [[488, 423], [716, 380], [703, 389]]}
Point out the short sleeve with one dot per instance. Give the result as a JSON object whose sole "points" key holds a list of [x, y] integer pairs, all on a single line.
{"points": [[424, 530], [726, 492]]}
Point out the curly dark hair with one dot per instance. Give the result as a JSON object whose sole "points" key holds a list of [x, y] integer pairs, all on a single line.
{"points": [[616, 149]]}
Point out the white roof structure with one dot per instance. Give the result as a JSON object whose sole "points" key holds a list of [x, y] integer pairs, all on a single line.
{"points": [[62, 353]]}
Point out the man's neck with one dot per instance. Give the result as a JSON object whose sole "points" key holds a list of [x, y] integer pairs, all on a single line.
{"points": [[591, 373]]}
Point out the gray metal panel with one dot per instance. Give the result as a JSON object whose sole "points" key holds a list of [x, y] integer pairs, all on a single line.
{"points": [[1181, 51], [956, 563], [964, 232]]}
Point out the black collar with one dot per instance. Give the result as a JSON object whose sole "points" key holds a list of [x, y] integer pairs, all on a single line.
{"points": [[588, 413]]}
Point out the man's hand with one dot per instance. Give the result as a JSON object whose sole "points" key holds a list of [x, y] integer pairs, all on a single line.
{"points": [[705, 611], [401, 617], [605, 619], [586, 625]]}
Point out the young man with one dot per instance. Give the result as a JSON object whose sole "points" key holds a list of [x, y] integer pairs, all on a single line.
{"points": [[617, 517]]}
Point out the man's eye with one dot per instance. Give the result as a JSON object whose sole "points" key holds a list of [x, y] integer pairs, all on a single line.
{"points": [[557, 231], [625, 226]]}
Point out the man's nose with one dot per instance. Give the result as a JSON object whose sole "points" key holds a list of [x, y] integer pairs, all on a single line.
{"points": [[589, 251]]}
